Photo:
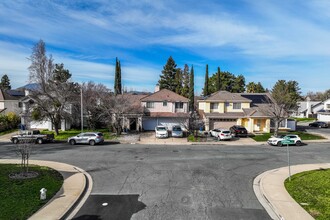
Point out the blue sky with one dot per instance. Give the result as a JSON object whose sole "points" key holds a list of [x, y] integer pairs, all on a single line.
{"points": [[264, 40]]}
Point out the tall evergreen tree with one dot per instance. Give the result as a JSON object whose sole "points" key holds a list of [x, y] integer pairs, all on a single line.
{"points": [[206, 82], [178, 81], [218, 80], [185, 81], [5, 82], [119, 78], [191, 91], [117, 84], [253, 87], [167, 79], [239, 84]]}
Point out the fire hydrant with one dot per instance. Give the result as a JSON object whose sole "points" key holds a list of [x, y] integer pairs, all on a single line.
{"points": [[43, 194]]}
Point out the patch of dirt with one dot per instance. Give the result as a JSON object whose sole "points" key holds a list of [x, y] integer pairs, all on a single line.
{"points": [[24, 175]]}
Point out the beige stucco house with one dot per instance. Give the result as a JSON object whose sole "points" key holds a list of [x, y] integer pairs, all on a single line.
{"points": [[164, 107], [223, 109]]}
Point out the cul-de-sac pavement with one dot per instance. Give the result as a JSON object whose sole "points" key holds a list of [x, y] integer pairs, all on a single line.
{"points": [[138, 181]]}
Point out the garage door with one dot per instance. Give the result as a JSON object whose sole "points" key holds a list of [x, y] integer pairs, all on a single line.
{"points": [[222, 123], [150, 123]]}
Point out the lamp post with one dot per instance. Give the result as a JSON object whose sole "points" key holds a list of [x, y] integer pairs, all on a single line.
{"points": [[81, 109]]}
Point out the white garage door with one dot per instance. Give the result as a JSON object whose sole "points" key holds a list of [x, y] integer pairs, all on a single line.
{"points": [[222, 123], [150, 123]]}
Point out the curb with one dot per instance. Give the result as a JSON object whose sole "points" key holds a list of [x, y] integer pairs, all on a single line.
{"points": [[76, 188], [271, 193]]}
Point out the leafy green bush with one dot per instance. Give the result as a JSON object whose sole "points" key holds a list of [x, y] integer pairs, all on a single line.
{"points": [[9, 121]]}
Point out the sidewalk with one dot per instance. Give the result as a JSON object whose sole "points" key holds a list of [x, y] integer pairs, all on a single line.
{"points": [[75, 190], [271, 193]]}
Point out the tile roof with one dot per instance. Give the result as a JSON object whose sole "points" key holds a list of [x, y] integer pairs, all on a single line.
{"points": [[167, 114], [165, 95], [225, 115], [226, 96]]}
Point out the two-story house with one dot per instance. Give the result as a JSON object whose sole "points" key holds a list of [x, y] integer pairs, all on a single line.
{"points": [[223, 109], [324, 114], [9, 101], [166, 108]]}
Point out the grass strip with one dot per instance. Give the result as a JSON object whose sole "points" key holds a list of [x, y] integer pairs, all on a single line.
{"points": [[311, 190], [20, 198]]}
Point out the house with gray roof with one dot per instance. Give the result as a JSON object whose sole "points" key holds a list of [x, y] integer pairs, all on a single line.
{"points": [[223, 109]]}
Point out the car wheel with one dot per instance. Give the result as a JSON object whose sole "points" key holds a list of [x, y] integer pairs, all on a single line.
{"points": [[219, 139], [72, 142], [39, 141], [92, 142], [320, 126], [298, 143], [279, 144], [15, 141]]}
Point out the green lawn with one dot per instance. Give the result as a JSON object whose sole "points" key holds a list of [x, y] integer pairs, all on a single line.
{"points": [[304, 119], [311, 190], [64, 135], [302, 135], [21, 198]]}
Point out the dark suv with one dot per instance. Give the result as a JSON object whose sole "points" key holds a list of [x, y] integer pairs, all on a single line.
{"points": [[319, 124], [238, 130]]}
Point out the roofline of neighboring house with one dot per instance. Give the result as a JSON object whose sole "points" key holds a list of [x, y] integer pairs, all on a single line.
{"points": [[162, 90]]}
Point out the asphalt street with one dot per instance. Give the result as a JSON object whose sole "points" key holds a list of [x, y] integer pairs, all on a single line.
{"points": [[173, 182]]}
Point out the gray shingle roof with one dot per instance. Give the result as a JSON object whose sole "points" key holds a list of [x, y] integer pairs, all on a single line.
{"points": [[164, 95]]}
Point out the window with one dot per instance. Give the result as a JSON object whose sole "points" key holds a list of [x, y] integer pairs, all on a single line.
{"points": [[237, 105], [214, 106], [165, 103], [328, 105], [227, 104], [179, 105], [150, 104]]}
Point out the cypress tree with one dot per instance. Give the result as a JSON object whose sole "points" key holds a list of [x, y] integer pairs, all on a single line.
{"points": [[117, 83], [178, 81], [218, 80], [191, 91], [119, 77], [206, 83]]}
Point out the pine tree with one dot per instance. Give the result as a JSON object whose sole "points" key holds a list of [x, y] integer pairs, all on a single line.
{"points": [[185, 81], [5, 83], [167, 79], [206, 83], [218, 80], [191, 91]]}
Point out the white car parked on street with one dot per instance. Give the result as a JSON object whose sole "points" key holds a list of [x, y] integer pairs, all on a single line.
{"points": [[224, 134], [292, 138]]}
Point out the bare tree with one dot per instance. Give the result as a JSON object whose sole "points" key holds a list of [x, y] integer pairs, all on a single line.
{"points": [[55, 92], [24, 149], [115, 108], [92, 96]]}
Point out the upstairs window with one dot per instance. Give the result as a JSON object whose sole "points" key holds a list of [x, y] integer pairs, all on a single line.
{"points": [[179, 105], [214, 106], [165, 103], [237, 105], [150, 104]]}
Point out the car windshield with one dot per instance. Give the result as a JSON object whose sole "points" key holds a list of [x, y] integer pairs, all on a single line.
{"points": [[216, 130], [176, 129], [240, 128], [226, 132], [99, 134], [161, 129]]}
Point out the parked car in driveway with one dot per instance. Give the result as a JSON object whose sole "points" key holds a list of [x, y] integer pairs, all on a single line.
{"points": [[238, 130], [215, 132], [90, 138], [177, 131], [280, 140], [319, 124], [224, 134], [161, 131]]}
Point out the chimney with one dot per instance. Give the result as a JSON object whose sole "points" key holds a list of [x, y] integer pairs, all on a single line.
{"points": [[157, 88]]}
